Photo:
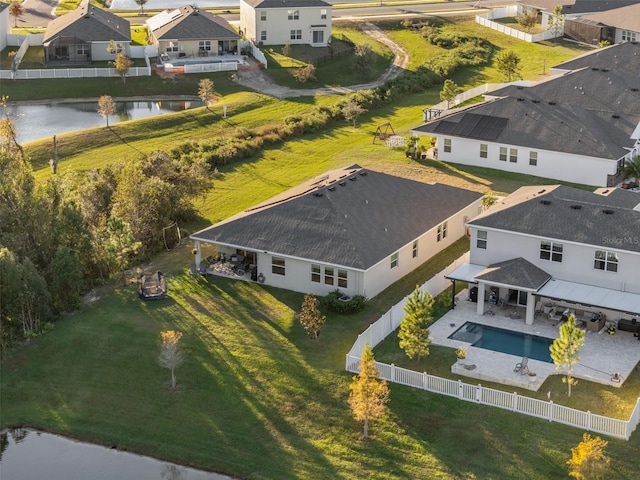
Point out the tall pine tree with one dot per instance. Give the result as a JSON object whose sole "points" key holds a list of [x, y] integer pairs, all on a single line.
{"points": [[564, 350], [414, 329]]}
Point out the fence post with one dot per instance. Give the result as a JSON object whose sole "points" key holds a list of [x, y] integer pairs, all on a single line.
{"points": [[515, 401], [551, 405], [393, 373], [478, 393], [460, 390], [424, 380], [588, 420]]}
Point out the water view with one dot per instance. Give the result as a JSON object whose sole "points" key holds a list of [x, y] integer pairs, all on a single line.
{"points": [[30, 455], [34, 122]]}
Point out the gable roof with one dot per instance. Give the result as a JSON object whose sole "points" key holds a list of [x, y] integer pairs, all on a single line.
{"points": [[623, 57], [349, 217], [286, 3], [627, 17], [89, 24], [189, 23], [3, 5], [607, 218], [576, 7], [516, 272]]}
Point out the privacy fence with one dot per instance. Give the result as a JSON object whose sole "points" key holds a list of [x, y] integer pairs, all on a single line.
{"points": [[513, 402], [486, 20]]}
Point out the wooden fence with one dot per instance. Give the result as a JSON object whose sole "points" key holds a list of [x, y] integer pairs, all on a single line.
{"points": [[514, 402]]}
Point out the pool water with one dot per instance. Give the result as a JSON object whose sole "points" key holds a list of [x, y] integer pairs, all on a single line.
{"points": [[504, 341]]}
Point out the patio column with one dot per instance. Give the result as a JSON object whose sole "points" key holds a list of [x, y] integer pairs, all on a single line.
{"points": [[453, 294], [480, 306], [531, 308], [198, 254]]}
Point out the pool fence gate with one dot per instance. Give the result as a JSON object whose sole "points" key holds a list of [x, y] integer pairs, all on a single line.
{"points": [[513, 402]]}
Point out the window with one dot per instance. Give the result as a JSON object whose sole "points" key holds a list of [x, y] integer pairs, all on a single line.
{"points": [[342, 278], [394, 260], [503, 154], [263, 15], [293, 15], [315, 273], [296, 34], [318, 36], [551, 251], [83, 50], [204, 45], [415, 249], [533, 159], [607, 261], [263, 36], [484, 150], [172, 48], [481, 240], [323, 14], [277, 266], [447, 145], [629, 36], [513, 155], [328, 275], [442, 232]]}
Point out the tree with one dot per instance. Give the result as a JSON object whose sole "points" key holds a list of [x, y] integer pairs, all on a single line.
{"points": [[122, 64], [119, 245], [489, 200], [205, 91], [16, 10], [449, 91], [564, 350], [171, 354], [310, 317], [414, 329], [528, 20], [588, 460], [632, 169], [305, 74], [352, 110], [141, 3], [369, 394], [363, 59], [106, 107], [556, 20], [508, 63]]}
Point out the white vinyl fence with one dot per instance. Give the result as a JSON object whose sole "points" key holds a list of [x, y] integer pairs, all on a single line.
{"points": [[486, 20], [86, 72], [547, 410], [211, 67]]}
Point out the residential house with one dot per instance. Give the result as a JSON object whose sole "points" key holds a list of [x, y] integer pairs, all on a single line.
{"points": [[615, 26], [350, 229], [554, 248], [5, 24], [84, 35], [189, 31], [276, 22], [578, 127]]}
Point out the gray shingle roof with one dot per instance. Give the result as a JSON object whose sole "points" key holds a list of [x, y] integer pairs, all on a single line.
{"points": [[608, 219], [194, 24], [517, 272], [622, 57], [627, 17], [286, 3], [575, 7], [357, 221], [89, 24], [3, 5]]}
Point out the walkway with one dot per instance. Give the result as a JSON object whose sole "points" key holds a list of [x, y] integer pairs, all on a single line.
{"points": [[601, 357]]}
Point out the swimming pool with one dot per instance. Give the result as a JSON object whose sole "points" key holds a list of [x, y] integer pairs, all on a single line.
{"points": [[504, 341]]}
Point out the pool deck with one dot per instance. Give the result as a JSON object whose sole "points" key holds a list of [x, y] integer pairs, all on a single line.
{"points": [[601, 356]]}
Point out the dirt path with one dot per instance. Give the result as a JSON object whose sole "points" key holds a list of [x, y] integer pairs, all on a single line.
{"points": [[257, 79]]}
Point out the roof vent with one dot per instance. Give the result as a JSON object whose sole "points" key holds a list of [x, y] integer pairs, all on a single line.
{"points": [[615, 116], [519, 87], [633, 89], [542, 191], [342, 183], [318, 194], [331, 188], [552, 103], [595, 69], [606, 211], [576, 207], [535, 101], [353, 179], [363, 173], [604, 69], [545, 202]]}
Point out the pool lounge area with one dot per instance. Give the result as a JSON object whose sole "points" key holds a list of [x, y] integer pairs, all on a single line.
{"points": [[601, 357]]}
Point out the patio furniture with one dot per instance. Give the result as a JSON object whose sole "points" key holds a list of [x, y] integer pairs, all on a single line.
{"points": [[522, 367], [193, 269], [202, 268]]}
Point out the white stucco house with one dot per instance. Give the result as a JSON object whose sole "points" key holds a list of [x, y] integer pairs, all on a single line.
{"points": [[276, 22], [84, 35], [350, 229], [581, 126], [5, 24], [189, 31], [554, 248]]}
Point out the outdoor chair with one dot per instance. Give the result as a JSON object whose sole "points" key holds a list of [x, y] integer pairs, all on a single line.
{"points": [[521, 367], [193, 269], [202, 269]]}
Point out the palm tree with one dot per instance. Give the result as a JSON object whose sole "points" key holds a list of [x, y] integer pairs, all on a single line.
{"points": [[632, 169], [16, 10]]}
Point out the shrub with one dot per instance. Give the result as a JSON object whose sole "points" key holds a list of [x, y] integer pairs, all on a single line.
{"points": [[333, 303]]}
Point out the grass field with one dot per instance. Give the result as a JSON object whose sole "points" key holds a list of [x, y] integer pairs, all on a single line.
{"points": [[257, 398]]}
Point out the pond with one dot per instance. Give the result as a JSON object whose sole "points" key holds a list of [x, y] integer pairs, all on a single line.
{"points": [[27, 454], [33, 122]]}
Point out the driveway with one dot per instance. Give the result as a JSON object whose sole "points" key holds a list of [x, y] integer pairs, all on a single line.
{"points": [[256, 79]]}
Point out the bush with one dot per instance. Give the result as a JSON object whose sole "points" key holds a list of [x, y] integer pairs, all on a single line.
{"points": [[333, 303]]}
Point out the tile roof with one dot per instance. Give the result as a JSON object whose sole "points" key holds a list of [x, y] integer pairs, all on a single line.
{"points": [[608, 218], [286, 3], [350, 217], [88, 23], [516, 272], [189, 23]]}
